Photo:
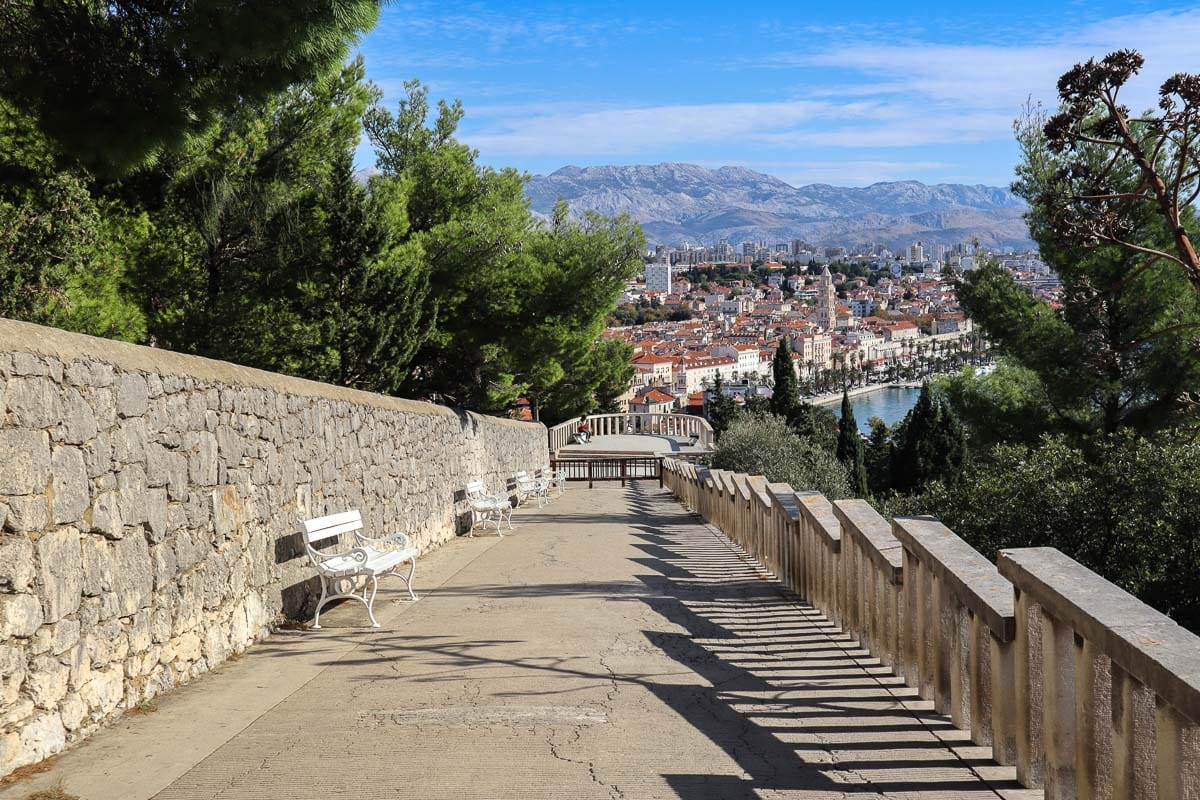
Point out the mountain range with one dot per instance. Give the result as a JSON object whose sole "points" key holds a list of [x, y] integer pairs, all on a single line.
{"points": [[678, 203]]}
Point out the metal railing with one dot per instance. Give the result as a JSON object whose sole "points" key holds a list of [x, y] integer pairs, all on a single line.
{"points": [[677, 425], [621, 469]]}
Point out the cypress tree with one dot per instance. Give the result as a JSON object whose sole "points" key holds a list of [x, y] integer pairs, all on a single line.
{"points": [[786, 397], [850, 449], [932, 448], [721, 409]]}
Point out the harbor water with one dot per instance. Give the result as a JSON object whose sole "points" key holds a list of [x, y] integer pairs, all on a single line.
{"points": [[889, 403]]}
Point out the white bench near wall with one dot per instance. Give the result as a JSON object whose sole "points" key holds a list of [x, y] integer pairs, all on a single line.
{"points": [[370, 560]]}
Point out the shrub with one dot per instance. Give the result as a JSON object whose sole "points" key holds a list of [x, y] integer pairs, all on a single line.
{"points": [[1125, 506], [764, 444]]}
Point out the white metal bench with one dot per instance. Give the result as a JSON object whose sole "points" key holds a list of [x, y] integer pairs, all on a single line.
{"points": [[487, 507], [528, 486], [555, 479], [370, 560]]}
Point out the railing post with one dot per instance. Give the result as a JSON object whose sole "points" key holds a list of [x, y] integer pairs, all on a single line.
{"points": [[591, 473]]}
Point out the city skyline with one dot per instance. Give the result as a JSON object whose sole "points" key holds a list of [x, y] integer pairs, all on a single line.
{"points": [[847, 96]]}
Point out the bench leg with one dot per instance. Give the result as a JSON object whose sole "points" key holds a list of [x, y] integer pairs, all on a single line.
{"points": [[370, 602], [412, 568], [363, 598], [320, 603]]}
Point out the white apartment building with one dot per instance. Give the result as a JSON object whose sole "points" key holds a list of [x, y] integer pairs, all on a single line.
{"points": [[658, 278], [654, 370], [814, 348], [737, 306], [747, 355], [694, 371]]}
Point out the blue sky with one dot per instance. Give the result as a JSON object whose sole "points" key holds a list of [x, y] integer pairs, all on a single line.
{"points": [[831, 92]]}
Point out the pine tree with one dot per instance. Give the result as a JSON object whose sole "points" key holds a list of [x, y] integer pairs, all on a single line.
{"points": [[119, 84], [850, 449]]}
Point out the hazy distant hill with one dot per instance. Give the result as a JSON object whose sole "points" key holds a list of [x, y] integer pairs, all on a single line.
{"points": [[678, 203]]}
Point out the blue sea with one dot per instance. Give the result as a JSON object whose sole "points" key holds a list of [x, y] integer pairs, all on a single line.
{"points": [[889, 404]]}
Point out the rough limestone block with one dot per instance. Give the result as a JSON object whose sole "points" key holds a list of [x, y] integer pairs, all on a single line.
{"points": [[104, 692], [133, 397], [129, 441], [16, 563], [26, 459], [97, 455], [34, 402], [202, 461], [98, 566], [60, 572], [20, 615], [78, 420], [134, 574], [43, 737], [63, 636], [28, 513], [73, 711], [69, 486], [156, 514], [131, 494], [105, 516], [47, 681]]}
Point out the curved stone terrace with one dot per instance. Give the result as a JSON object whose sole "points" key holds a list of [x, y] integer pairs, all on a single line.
{"points": [[613, 646]]}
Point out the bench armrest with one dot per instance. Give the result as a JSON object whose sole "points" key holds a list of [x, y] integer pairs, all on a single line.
{"points": [[353, 561], [397, 538]]}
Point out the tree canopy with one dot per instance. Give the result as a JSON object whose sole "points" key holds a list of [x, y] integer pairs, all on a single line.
{"points": [[257, 241], [117, 83]]}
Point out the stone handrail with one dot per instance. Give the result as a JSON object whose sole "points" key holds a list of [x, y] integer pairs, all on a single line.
{"points": [[1118, 683], [681, 425], [1088, 691]]}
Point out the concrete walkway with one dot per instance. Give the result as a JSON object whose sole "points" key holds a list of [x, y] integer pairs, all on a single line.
{"points": [[611, 647]]}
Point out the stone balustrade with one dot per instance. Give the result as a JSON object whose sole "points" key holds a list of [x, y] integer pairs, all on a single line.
{"points": [[1108, 689], [1089, 692], [675, 425]]}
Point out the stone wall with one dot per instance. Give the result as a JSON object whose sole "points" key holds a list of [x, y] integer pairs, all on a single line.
{"points": [[150, 503]]}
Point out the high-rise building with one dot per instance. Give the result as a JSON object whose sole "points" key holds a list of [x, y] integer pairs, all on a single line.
{"points": [[722, 251], [916, 252], [658, 278]]}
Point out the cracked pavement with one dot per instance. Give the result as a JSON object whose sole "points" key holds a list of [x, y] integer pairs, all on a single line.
{"points": [[612, 646]]}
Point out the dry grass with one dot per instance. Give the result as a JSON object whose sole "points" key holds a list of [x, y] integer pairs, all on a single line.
{"points": [[289, 624], [144, 707], [53, 793], [28, 771]]}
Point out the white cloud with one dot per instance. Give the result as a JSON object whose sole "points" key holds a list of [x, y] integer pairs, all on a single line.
{"points": [[887, 96]]}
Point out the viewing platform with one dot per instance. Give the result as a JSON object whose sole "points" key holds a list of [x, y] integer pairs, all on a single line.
{"points": [[614, 435]]}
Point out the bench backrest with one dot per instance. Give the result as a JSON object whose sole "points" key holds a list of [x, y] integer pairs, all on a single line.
{"points": [[475, 488], [332, 525]]}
